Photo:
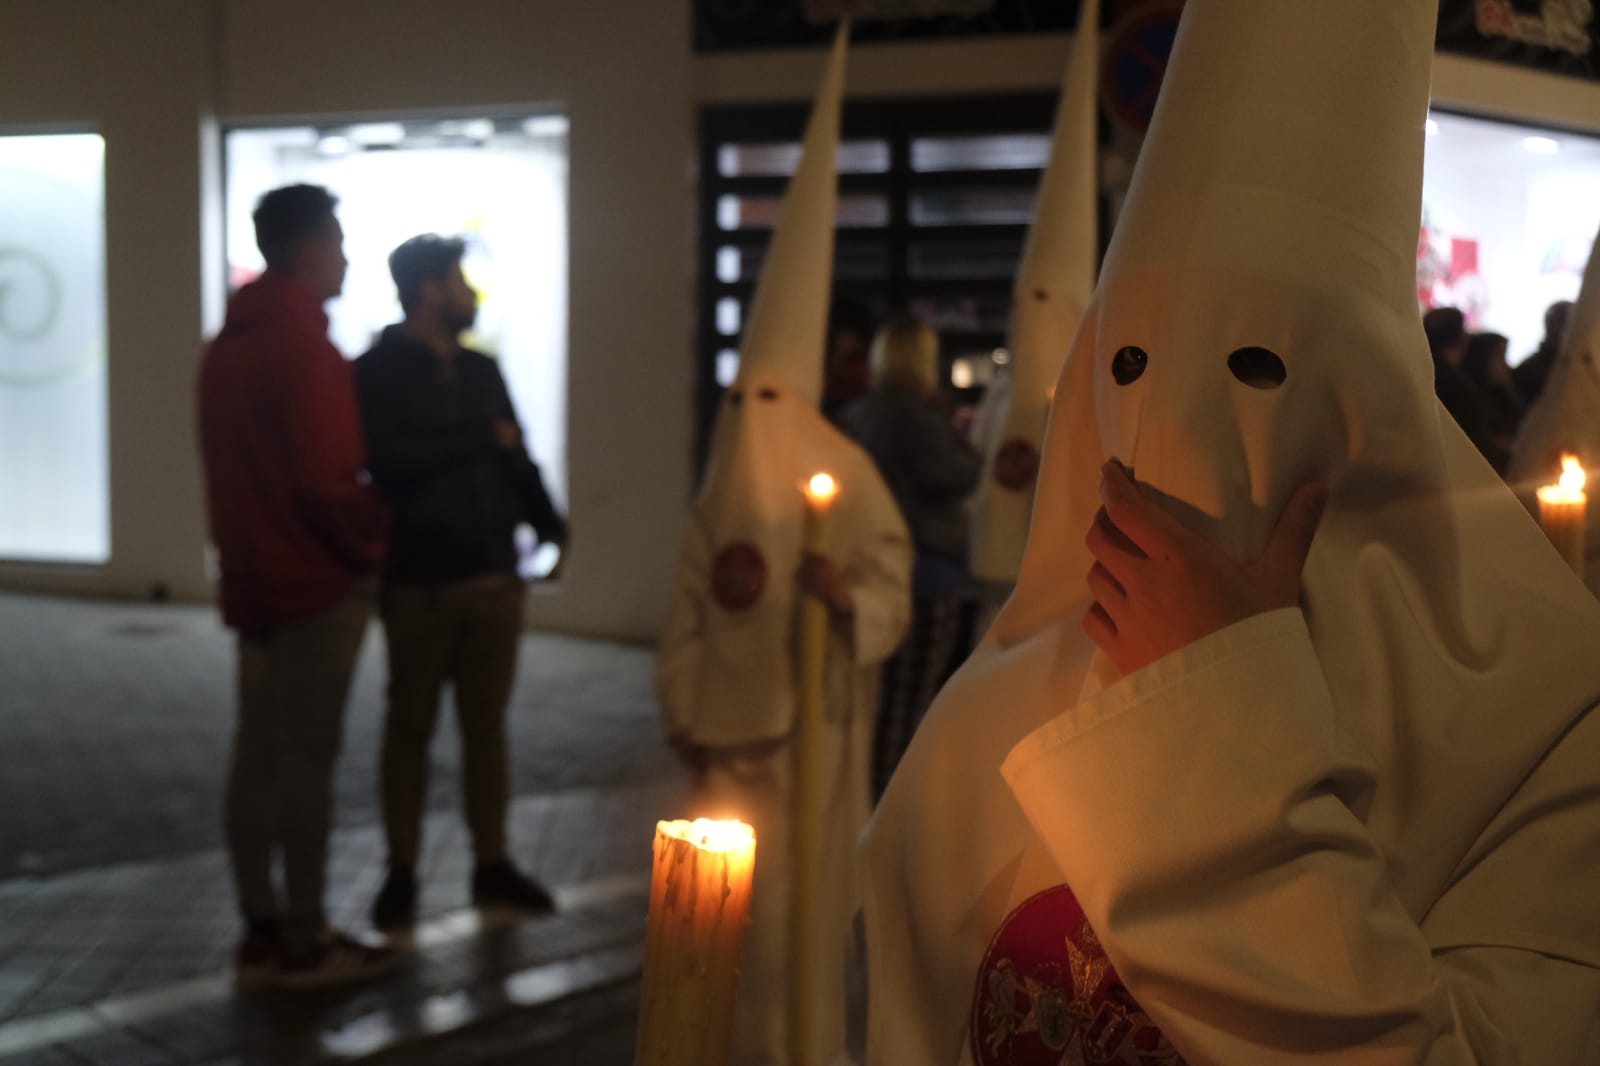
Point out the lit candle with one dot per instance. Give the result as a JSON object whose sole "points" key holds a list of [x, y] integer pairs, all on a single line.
{"points": [[699, 907], [1563, 512], [810, 791], [820, 492]]}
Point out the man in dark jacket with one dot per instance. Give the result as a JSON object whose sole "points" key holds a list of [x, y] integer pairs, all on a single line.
{"points": [[1530, 375], [299, 535], [448, 454]]}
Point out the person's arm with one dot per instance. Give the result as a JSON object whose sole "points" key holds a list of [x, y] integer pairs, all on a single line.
{"points": [[537, 506], [868, 594], [1207, 813], [405, 452], [326, 455]]}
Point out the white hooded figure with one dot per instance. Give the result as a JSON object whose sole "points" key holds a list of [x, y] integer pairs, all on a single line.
{"points": [[1364, 828], [726, 667], [1566, 417], [1054, 282]]}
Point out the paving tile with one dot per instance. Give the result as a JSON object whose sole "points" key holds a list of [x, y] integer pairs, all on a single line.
{"points": [[118, 1048], [45, 1056]]}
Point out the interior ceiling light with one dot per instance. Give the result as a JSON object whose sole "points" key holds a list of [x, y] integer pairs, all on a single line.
{"points": [[545, 126], [377, 134], [1541, 145]]}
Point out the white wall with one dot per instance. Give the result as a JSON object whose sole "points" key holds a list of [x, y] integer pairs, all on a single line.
{"points": [[137, 74], [622, 70]]}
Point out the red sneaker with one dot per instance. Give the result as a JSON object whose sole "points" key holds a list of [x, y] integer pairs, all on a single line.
{"points": [[337, 959]]}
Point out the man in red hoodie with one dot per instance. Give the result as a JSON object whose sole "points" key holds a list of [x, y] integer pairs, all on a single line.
{"points": [[299, 534]]}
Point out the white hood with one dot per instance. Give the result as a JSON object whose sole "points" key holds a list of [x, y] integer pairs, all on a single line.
{"points": [[1275, 207], [1052, 289], [769, 439]]}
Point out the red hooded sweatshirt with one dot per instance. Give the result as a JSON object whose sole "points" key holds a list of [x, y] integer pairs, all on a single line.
{"points": [[290, 508]]}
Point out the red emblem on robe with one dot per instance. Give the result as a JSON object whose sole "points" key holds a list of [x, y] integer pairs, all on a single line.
{"points": [[738, 576], [1016, 464], [1047, 996]]}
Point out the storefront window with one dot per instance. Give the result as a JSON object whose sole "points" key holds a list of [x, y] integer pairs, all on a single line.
{"points": [[1509, 215], [54, 494], [501, 184]]}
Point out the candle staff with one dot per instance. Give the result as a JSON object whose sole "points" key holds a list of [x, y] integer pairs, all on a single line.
{"points": [[728, 673], [1283, 750]]}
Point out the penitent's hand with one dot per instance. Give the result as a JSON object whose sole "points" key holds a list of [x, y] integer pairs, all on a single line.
{"points": [[1159, 587], [822, 578]]}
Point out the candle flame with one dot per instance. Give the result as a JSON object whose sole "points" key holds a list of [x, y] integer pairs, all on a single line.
{"points": [[822, 488], [1572, 476], [711, 835], [1569, 490]]}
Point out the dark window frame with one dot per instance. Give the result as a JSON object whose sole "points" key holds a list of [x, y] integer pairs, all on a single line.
{"points": [[899, 122]]}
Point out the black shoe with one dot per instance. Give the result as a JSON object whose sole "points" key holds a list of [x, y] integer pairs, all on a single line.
{"points": [[500, 884], [396, 905]]}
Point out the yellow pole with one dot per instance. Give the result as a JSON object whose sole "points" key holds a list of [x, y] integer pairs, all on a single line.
{"points": [[809, 793]]}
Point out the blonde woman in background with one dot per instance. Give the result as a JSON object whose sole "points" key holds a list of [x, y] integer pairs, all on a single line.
{"points": [[904, 424]]}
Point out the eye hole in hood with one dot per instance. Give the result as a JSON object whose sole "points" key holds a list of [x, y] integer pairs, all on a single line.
{"points": [[1128, 365], [1259, 368]]}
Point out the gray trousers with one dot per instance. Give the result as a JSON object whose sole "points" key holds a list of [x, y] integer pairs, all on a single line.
{"points": [[293, 685], [464, 633]]}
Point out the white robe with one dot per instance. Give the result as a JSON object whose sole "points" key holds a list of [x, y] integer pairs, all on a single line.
{"points": [[752, 778], [1208, 813]]}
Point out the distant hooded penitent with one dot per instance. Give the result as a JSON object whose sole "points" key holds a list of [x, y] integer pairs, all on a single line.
{"points": [[1052, 288], [726, 668]]}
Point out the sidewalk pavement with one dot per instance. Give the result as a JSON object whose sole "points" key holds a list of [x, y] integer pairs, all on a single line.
{"points": [[116, 915]]}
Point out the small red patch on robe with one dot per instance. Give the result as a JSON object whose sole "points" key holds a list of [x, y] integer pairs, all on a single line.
{"points": [[738, 576], [1016, 465]]}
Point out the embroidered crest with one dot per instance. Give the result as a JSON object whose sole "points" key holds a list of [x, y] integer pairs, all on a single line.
{"points": [[1047, 996], [1016, 465], [738, 577]]}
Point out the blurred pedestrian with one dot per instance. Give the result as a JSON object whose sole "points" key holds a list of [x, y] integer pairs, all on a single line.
{"points": [[449, 456], [1531, 374], [904, 424], [299, 535]]}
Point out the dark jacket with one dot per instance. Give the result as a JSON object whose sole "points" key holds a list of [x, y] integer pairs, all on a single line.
{"points": [[457, 495], [1530, 375], [280, 440], [1472, 411], [930, 469]]}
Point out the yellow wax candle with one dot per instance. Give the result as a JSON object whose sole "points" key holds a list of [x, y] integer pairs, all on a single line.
{"points": [[1563, 512], [699, 907], [810, 791]]}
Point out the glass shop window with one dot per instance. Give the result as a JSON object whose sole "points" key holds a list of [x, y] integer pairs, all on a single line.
{"points": [[54, 454]]}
